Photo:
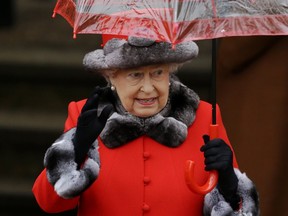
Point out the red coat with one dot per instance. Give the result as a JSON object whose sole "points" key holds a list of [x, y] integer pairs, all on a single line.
{"points": [[140, 177]]}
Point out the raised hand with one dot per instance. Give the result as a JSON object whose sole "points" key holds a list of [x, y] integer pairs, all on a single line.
{"points": [[89, 124]]}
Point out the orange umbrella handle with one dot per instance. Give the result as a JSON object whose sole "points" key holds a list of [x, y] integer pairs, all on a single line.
{"points": [[213, 175]]}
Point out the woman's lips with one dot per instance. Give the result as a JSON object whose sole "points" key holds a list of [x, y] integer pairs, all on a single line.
{"points": [[146, 101]]}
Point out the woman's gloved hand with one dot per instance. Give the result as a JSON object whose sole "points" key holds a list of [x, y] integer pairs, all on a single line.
{"points": [[219, 156], [90, 125]]}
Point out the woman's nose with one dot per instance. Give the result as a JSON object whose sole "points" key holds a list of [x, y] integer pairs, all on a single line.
{"points": [[147, 84]]}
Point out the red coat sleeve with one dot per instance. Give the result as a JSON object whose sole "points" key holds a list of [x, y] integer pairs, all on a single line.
{"points": [[74, 110], [43, 191]]}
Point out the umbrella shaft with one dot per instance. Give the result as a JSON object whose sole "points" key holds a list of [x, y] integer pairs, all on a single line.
{"points": [[214, 81]]}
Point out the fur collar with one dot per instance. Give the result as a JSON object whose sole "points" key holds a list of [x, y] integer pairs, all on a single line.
{"points": [[169, 127]]}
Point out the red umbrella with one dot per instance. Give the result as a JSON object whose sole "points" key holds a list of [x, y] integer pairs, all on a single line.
{"points": [[176, 21]]}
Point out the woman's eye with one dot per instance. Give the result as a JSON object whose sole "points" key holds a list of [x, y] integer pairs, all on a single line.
{"points": [[135, 75], [157, 73]]}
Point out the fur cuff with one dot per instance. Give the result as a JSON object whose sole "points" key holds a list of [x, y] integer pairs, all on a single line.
{"points": [[62, 172], [215, 204]]}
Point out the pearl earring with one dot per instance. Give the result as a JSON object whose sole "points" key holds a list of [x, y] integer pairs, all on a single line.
{"points": [[113, 88]]}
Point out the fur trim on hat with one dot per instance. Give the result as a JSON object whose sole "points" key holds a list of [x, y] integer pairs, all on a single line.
{"points": [[137, 52], [215, 204], [62, 172]]}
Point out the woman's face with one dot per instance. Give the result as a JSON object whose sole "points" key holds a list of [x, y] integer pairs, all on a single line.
{"points": [[142, 91]]}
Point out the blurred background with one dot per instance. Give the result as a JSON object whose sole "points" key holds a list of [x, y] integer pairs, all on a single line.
{"points": [[41, 72]]}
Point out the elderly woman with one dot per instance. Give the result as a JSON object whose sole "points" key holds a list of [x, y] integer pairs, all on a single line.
{"points": [[123, 149]]}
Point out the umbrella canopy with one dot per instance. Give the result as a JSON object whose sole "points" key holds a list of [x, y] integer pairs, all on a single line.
{"points": [[175, 21]]}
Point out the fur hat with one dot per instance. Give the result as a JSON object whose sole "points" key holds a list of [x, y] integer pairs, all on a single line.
{"points": [[136, 52]]}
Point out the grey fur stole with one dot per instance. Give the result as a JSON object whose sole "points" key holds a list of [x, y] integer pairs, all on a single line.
{"points": [[169, 127]]}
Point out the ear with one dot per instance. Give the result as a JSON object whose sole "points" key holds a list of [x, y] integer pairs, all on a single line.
{"points": [[111, 79], [109, 76]]}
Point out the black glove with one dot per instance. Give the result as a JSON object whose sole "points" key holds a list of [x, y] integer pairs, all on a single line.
{"points": [[219, 156], [89, 125]]}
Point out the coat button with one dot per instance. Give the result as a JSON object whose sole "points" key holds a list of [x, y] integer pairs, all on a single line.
{"points": [[145, 207], [146, 180], [146, 155]]}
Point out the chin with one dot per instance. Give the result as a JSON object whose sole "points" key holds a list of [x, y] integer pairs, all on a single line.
{"points": [[145, 114]]}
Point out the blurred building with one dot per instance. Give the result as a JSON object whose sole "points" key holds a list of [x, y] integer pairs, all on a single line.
{"points": [[253, 94]]}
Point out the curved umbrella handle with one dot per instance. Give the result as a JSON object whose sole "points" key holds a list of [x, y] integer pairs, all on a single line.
{"points": [[213, 175], [193, 186]]}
